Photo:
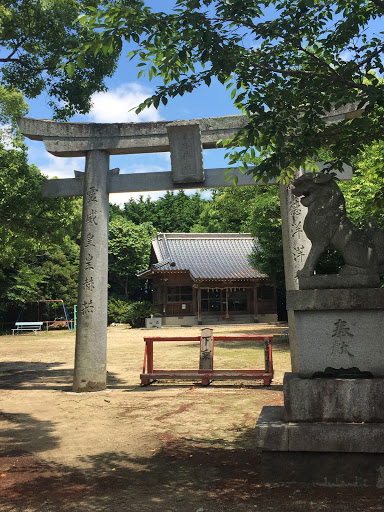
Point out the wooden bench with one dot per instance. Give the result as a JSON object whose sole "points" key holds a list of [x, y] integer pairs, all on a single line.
{"points": [[27, 326], [265, 374]]}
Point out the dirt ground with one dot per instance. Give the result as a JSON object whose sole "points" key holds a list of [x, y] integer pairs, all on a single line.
{"points": [[169, 447]]}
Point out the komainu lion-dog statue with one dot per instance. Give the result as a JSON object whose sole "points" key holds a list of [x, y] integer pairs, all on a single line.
{"points": [[327, 225]]}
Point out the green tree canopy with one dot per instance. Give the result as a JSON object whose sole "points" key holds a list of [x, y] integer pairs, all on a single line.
{"points": [[170, 213], [34, 34], [38, 256], [365, 194], [287, 64], [129, 249], [12, 105], [227, 212], [27, 222]]}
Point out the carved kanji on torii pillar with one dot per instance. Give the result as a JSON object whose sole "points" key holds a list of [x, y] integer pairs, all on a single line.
{"points": [[96, 142]]}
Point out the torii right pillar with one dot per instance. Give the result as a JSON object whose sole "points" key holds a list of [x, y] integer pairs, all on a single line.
{"points": [[296, 248], [296, 244]]}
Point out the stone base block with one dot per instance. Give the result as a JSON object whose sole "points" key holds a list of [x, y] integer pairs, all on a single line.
{"points": [[333, 400], [325, 469], [271, 429], [273, 433], [327, 300]]}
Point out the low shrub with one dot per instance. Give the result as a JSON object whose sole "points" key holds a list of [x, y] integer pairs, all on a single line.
{"points": [[117, 310], [138, 312]]}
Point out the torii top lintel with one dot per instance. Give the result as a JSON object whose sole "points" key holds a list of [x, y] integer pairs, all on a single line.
{"points": [[76, 139]]}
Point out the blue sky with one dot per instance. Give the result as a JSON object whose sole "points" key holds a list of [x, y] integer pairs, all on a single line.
{"points": [[125, 92]]}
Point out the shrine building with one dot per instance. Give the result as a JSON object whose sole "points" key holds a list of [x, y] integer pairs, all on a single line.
{"points": [[203, 278]]}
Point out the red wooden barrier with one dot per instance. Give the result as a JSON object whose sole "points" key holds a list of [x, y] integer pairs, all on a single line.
{"points": [[150, 375]]}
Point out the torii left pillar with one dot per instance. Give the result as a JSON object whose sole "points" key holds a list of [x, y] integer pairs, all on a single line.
{"points": [[91, 331]]}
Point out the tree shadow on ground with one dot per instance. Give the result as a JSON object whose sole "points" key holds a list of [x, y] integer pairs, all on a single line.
{"points": [[183, 475], [18, 431], [42, 375]]}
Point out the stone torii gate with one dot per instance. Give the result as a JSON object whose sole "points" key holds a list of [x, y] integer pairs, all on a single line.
{"points": [[96, 142]]}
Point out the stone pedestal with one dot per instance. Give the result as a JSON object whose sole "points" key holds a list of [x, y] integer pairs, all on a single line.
{"points": [[339, 328], [330, 429]]}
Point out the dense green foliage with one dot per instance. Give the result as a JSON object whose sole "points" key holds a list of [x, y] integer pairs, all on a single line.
{"points": [[28, 223], [366, 193], [34, 34], [172, 213], [287, 64], [129, 248], [134, 313], [12, 104], [228, 211], [38, 252]]}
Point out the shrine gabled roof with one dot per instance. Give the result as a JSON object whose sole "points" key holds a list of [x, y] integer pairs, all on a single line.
{"points": [[206, 255]]}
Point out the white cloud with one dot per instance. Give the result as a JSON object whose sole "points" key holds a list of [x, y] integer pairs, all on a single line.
{"points": [[346, 55], [54, 166], [124, 197], [115, 105]]}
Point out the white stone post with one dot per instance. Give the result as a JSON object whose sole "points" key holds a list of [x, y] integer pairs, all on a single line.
{"points": [[91, 333], [206, 349]]}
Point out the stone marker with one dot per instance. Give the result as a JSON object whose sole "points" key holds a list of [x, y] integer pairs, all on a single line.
{"points": [[206, 349], [338, 329], [295, 242], [153, 322]]}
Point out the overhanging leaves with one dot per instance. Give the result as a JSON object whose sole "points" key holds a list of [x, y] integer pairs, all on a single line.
{"points": [[291, 63]]}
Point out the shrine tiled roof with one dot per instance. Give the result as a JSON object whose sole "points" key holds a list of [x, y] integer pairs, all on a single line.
{"points": [[205, 255]]}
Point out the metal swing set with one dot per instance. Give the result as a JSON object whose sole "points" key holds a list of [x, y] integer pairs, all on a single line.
{"points": [[24, 325]]}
